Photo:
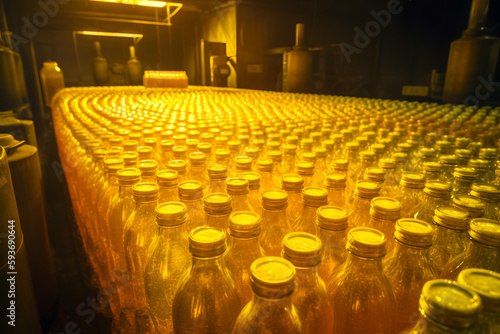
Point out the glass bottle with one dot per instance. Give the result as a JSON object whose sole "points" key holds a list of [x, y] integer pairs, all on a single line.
{"points": [[197, 170], [342, 166], [354, 163], [449, 240], [361, 281], [217, 208], [180, 167], [321, 165], [448, 163], [243, 250], [335, 184], [148, 170], [145, 153], [360, 207], [119, 211], [410, 194], [130, 159], [306, 171], [271, 309], [312, 199], [166, 152], [436, 194], [265, 169], [377, 174], [223, 157], [432, 171], [276, 156], [490, 195], [206, 299], [368, 159], [167, 181], [481, 166], [485, 283], [238, 188], [206, 148], [390, 180], [482, 249], [254, 190], [463, 155], [332, 223], [384, 212], [217, 174], [274, 221], [463, 178], [288, 163], [310, 297], [138, 234], [474, 206], [191, 194], [180, 152], [168, 263], [293, 185], [490, 155], [447, 307], [408, 267]]}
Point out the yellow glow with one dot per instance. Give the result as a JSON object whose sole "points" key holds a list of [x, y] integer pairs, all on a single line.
{"points": [[149, 3], [108, 34]]}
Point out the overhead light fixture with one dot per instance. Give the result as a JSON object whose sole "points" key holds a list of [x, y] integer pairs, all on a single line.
{"points": [[145, 3], [108, 34]]}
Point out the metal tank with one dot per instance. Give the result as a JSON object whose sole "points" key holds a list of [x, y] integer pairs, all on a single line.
{"points": [[27, 181], [472, 60], [298, 65], [17, 272]]}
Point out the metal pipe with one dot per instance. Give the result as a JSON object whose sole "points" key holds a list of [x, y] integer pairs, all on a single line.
{"points": [[299, 35], [478, 12]]}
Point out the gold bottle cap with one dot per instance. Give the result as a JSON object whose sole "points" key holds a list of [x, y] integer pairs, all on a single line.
{"points": [[130, 145], [465, 172], [275, 155], [167, 145], [274, 200], [289, 149], [244, 224], [309, 157], [190, 190], [197, 158], [234, 145], [448, 303], [432, 167], [452, 218], [243, 163], [449, 160], [217, 204], [413, 181], [113, 152], [488, 153], [99, 153], [335, 180], [332, 218], [368, 155], [304, 168], [385, 208], [314, 196], [340, 165], [237, 186], [145, 152], [180, 139], [147, 167], [320, 152], [193, 134], [366, 242], [205, 148], [437, 189], [387, 163], [218, 172], [292, 183], [116, 141], [375, 174], [265, 165], [112, 161], [486, 192], [253, 179], [479, 164], [378, 148], [302, 249], [145, 192], [167, 178], [427, 152], [474, 206], [151, 142], [179, 151], [222, 154], [252, 152], [130, 159], [207, 136], [207, 242], [272, 277], [352, 146], [113, 169], [292, 140], [178, 165], [367, 189], [485, 231], [128, 176], [463, 153], [171, 214], [414, 232], [486, 284]]}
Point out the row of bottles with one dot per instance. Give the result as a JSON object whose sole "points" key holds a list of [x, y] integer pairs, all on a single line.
{"points": [[320, 214]]}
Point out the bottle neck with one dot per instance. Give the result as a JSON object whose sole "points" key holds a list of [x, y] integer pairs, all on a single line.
{"points": [[145, 207], [125, 190], [273, 304], [237, 243], [212, 263], [273, 215], [306, 276], [365, 265], [172, 234], [406, 251], [334, 240]]}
